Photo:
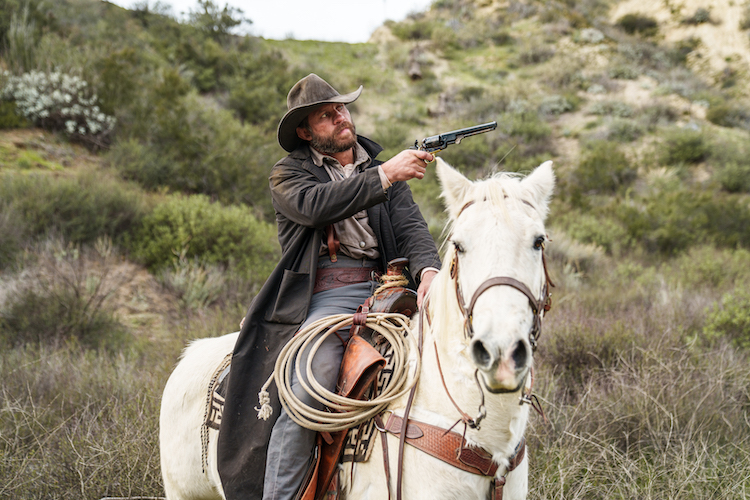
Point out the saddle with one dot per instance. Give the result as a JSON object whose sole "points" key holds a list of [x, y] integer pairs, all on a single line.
{"points": [[361, 373], [360, 368]]}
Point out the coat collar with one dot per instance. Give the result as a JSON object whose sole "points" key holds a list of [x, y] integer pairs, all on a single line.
{"points": [[302, 153]]}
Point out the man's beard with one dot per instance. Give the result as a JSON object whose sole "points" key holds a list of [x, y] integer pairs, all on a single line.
{"points": [[332, 144]]}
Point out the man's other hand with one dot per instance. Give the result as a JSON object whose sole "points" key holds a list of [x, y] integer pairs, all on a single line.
{"points": [[424, 286]]}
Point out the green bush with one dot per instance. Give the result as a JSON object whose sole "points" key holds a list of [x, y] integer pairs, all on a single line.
{"points": [[684, 146], [734, 177], [706, 266], [603, 169], [700, 16], [638, 23], [611, 108], [672, 222], [624, 130], [728, 115], [194, 147], [731, 319], [81, 208], [413, 29], [9, 116], [193, 227], [601, 230]]}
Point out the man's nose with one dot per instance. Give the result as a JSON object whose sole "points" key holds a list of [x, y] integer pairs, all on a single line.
{"points": [[338, 115]]}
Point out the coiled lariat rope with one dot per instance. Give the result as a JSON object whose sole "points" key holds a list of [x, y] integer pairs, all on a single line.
{"points": [[345, 412]]}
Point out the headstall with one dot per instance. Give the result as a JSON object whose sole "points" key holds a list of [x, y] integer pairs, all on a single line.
{"points": [[538, 306]]}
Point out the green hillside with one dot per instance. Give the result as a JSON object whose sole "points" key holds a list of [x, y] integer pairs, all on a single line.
{"points": [[135, 216]]}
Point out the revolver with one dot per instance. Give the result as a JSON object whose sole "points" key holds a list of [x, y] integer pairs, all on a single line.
{"points": [[440, 142]]}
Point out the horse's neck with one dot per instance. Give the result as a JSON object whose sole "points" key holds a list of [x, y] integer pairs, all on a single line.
{"points": [[505, 422]]}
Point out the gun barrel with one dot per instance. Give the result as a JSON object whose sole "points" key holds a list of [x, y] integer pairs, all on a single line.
{"points": [[477, 129], [440, 142]]}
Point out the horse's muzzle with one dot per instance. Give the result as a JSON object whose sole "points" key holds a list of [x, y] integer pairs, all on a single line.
{"points": [[503, 370]]}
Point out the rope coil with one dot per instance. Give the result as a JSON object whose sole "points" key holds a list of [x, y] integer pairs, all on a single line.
{"points": [[346, 412]]}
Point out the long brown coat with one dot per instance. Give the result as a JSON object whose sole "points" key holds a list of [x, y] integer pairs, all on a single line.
{"points": [[306, 201]]}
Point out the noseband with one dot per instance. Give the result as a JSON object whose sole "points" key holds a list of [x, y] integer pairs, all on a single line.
{"points": [[538, 306]]}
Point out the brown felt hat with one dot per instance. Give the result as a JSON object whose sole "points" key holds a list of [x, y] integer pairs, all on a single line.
{"points": [[307, 94]]}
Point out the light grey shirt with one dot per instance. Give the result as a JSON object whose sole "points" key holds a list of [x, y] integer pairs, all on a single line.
{"points": [[357, 238]]}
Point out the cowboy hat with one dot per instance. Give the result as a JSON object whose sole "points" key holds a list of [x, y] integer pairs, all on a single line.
{"points": [[307, 94]]}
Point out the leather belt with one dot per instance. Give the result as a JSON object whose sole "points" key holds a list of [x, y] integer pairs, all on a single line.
{"points": [[334, 277]]}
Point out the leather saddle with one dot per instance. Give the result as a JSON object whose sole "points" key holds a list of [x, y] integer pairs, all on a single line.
{"points": [[360, 368]]}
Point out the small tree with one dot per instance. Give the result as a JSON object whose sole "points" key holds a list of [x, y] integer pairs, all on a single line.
{"points": [[216, 22]]}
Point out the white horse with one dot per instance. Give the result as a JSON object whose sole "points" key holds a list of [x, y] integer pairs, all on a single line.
{"points": [[485, 313]]}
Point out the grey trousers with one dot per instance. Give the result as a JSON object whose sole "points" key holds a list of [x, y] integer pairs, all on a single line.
{"points": [[290, 447]]}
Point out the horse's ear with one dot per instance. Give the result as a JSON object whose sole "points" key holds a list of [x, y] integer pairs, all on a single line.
{"points": [[455, 187], [540, 184]]}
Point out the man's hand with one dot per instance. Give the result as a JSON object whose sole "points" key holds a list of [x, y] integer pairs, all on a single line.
{"points": [[408, 164], [424, 286]]}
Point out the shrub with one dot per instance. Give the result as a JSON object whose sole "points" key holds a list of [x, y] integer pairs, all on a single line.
{"points": [[671, 222], [600, 230], [80, 209], [555, 105], [413, 29], [638, 23], [195, 284], [731, 319], [65, 296], [729, 115], [535, 53], [611, 108], [624, 72], [60, 102], [700, 16], [9, 116], [624, 131], [734, 177], [192, 226], [684, 146], [193, 147], [603, 169], [707, 266]]}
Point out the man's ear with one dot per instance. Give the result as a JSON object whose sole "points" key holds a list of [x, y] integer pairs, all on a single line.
{"points": [[303, 133]]}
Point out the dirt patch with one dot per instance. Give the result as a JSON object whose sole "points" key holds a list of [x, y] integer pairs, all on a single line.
{"points": [[724, 47]]}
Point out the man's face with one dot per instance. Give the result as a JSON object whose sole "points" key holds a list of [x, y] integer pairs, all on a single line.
{"points": [[330, 129]]}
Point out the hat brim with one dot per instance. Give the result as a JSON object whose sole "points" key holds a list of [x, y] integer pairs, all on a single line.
{"points": [[287, 132]]}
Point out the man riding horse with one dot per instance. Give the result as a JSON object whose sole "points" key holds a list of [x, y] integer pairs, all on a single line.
{"points": [[341, 216]]}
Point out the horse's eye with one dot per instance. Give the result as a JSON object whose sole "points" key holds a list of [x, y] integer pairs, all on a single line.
{"points": [[458, 247], [539, 243]]}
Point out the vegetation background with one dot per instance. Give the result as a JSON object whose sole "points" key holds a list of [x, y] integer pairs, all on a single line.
{"points": [[134, 216]]}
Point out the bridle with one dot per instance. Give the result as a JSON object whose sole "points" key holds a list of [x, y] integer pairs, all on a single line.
{"points": [[538, 306]]}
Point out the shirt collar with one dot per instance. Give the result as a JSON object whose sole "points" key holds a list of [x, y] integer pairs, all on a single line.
{"points": [[360, 157]]}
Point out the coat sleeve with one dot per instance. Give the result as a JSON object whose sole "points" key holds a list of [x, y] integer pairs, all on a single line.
{"points": [[301, 197], [413, 238]]}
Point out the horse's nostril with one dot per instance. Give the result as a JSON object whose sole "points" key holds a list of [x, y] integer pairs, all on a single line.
{"points": [[480, 354], [520, 354]]}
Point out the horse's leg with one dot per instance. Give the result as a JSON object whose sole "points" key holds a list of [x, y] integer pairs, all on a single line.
{"points": [[517, 481]]}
